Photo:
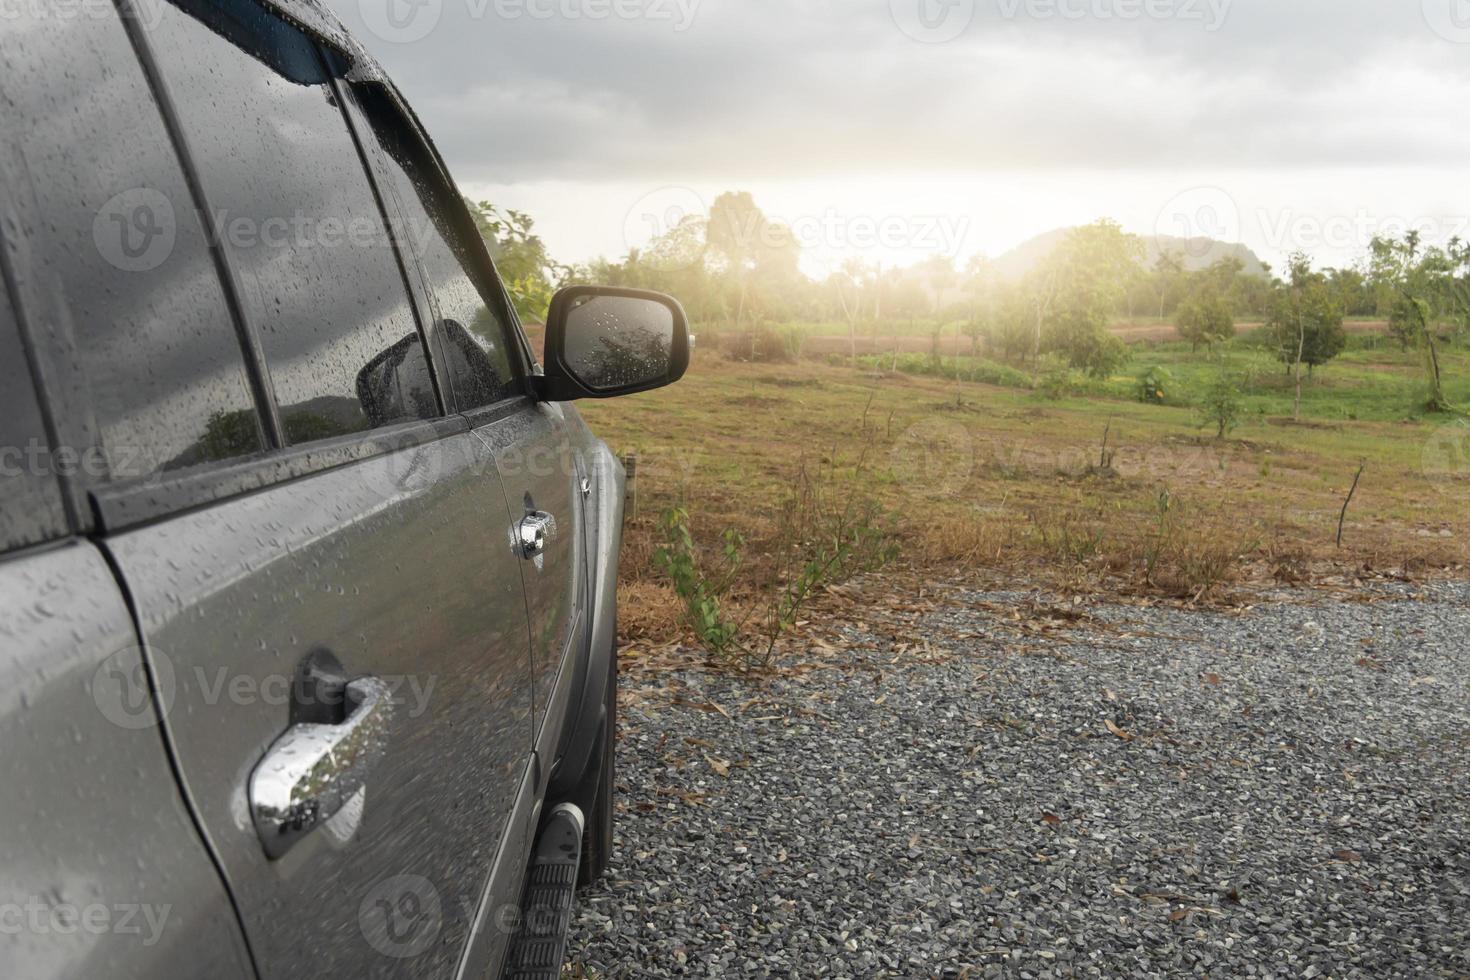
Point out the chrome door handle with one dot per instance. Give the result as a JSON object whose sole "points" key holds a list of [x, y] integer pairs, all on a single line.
{"points": [[312, 770], [533, 532]]}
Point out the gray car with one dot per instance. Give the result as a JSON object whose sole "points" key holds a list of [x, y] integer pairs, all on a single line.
{"points": [[307, 567]]}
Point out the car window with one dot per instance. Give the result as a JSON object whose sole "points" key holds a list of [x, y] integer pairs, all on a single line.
{"points": [[134, 302], [475, 334], [30, 500], [297, 217]]}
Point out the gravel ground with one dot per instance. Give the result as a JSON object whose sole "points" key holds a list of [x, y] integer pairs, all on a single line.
{"points": [[1276, 792]]}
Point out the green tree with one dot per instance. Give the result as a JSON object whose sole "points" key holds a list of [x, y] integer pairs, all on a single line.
{"points": [[1222, 405], [1423, 284], [1205, 318], [1168, 279], [526, 268], [1305, 322], [1075, 293]]}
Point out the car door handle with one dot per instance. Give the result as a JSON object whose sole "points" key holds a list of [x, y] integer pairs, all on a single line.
{"points": [[313, 769], [533, 532]]}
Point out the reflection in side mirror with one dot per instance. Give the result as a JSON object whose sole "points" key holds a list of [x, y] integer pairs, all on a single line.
{"points": [[602, 342], [618, 341]]}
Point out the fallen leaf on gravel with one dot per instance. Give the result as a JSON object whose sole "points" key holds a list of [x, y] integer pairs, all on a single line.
{"points": [[1125, 736], [720, 766], [880, 699]]}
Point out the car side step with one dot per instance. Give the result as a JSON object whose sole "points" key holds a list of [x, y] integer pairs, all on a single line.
{"points": [[540, 945]]}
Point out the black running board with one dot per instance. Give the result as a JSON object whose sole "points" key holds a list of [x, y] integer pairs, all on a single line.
{"points": [[540, 945]]}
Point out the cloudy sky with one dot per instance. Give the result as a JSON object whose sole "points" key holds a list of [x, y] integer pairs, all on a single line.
{"points": [[900, 128]]}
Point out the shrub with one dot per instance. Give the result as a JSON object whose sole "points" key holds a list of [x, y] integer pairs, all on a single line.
{"points": [[827, 530], [1222, 405], [698, 590], [1155, 385], [763, 344]]}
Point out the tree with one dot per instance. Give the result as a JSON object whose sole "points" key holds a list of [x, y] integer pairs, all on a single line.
{"points": [[1205, 318], [527, 270], [1305, 322], [1222, 405], [980, 289], [1077, 290], [1422, 284], [852, 280], [1168, 275]]}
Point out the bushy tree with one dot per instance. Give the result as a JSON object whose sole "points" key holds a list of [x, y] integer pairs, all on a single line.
{"points": [[526, 268], [1305, 322], [1205, 318], [1222, 405], [1075, 292], [1425, 285]]}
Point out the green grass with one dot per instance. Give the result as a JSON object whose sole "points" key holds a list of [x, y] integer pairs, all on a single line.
{"points": [[1373, 380]]}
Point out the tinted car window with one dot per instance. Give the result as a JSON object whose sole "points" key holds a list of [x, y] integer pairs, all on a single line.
{"points": [[474, 332], [30, 501], [298, 219], [132, 299]]}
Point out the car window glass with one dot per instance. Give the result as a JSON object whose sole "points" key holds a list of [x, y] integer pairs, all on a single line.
{"points": [[121, 256], [473, 330], [298, 218]]}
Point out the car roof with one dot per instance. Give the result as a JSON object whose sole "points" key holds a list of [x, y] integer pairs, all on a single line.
{"points": [[313, 17]]}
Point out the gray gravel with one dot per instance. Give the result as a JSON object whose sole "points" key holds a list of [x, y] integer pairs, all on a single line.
{"points": [[1288, 797]]}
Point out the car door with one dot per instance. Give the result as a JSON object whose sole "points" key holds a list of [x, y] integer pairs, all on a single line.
{"points": [[317, 555], [104, 872], [542, 472], [480, 350]]}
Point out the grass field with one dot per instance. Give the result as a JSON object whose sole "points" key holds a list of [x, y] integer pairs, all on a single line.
{"points": [[991, 479]]}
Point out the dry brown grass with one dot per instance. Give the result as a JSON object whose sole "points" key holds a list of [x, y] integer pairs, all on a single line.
{"points": [[1005, 481]]}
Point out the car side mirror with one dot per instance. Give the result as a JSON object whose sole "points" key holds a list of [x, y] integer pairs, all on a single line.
{"points": [[604, 341]]}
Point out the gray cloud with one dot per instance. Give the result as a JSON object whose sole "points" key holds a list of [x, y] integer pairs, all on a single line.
{"points": [[758, 89]]}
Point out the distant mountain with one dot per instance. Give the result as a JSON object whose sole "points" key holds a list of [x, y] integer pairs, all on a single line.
{"points": [[1197, 253]]}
